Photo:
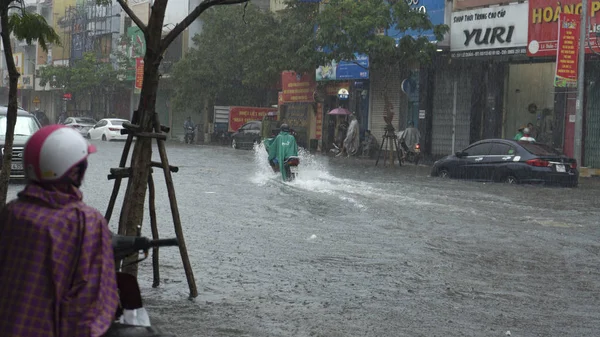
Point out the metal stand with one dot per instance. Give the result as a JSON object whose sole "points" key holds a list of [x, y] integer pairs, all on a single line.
{"points": [[159, 133], [390, 140]]}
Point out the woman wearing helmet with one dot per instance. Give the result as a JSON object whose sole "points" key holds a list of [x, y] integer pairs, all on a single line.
{"points": [[56, 256]]}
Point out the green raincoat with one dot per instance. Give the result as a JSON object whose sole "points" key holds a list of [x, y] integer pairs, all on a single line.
{"points": [[282, 147]]}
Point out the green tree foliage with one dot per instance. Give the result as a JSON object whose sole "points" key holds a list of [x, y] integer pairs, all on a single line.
{"points": [[231, 59], [26, 26], [85, 77], [348, 26]]}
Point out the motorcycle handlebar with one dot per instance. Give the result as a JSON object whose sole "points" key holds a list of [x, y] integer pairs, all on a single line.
{"points": [[124, 246]]}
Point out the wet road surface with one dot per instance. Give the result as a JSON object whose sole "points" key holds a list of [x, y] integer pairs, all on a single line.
{"points": [[350, 249]]}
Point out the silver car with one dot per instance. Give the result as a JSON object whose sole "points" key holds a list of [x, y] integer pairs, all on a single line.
{"points": [[81, 124]]}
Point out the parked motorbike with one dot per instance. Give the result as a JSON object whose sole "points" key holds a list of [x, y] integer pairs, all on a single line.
{"points": [[189, 135], [412, 155], [131, 319]]}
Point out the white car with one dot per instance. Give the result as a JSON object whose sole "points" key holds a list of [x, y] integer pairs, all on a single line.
{"points": [[107, 129]]}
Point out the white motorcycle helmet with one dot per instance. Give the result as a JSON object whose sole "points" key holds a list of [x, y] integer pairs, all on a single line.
{"points": [[53, 151]]}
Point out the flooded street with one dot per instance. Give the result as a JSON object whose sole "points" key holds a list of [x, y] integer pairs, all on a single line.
{"points": [[350, 249]]}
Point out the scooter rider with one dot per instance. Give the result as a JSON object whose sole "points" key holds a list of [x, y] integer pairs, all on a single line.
{"points": [[188, 128], [281, 148], [56, 259], [410, 137]]}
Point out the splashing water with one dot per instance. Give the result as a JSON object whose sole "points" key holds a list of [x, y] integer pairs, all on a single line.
{"points": [[314, 176]]}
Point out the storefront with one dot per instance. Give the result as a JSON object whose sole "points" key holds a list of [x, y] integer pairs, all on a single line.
{"points": [[409, 89], [353, 77], [486, 77], [297, 106], [551, 102]]}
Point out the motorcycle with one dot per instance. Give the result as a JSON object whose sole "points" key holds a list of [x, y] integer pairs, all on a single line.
{"points": [[131, 319], [412, 155], [189, 135], [290, 166]]}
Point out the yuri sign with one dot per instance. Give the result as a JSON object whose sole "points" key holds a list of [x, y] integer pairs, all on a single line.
{"points": [[500, 30]]}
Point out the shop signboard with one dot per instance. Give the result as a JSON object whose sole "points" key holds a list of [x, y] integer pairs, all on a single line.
{"points": [[139, 74], [567, 51], [297, 88], [543, 27], [466, 4], [498, 30], [358, 69], [435, 9], [319, 122], [240, 115]]}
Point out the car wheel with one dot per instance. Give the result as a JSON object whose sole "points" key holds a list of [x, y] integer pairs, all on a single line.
{"points": [[104, 138], [510, 179], [234, 143], [443, 173]]}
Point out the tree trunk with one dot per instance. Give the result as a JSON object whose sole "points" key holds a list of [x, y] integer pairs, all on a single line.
{"points": [[11, 115], [132, 214]]}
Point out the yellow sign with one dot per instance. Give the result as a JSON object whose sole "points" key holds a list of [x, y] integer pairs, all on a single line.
{"points": [[36, 100]]}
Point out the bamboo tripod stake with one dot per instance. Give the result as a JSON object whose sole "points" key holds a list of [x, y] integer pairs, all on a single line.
{"points": [[124, 172]]}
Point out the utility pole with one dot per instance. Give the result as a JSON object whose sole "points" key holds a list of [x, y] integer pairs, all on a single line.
{"points": [[580, 84]]}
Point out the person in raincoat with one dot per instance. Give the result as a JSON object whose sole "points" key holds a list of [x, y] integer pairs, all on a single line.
{"points": [[56, 258], [519, 134], [282, 147], [352, 140], [411, 136]]}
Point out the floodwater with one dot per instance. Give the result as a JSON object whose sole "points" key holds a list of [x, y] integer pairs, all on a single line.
{"points": [[350, 249]]}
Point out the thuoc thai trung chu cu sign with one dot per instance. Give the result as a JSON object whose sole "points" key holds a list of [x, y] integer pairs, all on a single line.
{"points": [[567, 50], [543, 24], [490, 31]]}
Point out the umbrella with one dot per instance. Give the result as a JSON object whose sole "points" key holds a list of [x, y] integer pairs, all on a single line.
{"points": [[339, 111]]}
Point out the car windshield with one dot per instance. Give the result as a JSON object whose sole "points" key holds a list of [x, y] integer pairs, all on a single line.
{"points": [[85, 120], [539, 149], [25, 126], [116, 122]]}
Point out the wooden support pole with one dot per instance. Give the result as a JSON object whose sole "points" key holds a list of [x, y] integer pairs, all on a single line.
{"points": [[117, 185], [175, 212], [154, 227]]}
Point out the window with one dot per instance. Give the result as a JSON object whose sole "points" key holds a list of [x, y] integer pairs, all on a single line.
{"points": [[69, 120], [116, 122], [255, 126], [479, 149], [101, 124], [539, 149], [86, 120], [499, 149], [25, 126]]}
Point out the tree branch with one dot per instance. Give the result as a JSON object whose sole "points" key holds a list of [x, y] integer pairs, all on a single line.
{"points": [[132, 15], [180, 27]]}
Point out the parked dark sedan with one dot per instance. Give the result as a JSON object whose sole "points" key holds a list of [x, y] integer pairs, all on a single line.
{"points": [[509, 161], [247, 135]]}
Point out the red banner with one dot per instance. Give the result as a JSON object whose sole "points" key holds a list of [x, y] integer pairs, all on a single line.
{"points": [[567, 52], [319, 121], [240, 115], [297, 88], [543, 28], [139, 73]]}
